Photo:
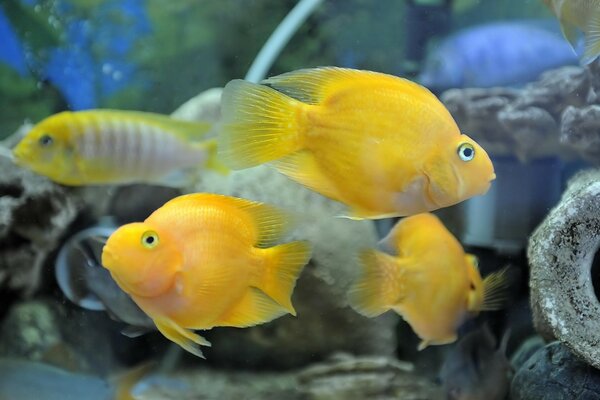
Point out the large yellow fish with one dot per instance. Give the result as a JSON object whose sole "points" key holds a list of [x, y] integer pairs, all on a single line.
{"points": [[112, 147], [583, 15], [424, 275], [382, 145], [203, 260]]}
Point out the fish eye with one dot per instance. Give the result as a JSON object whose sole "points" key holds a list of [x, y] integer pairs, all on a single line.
{"points": [[150, 239], [466, 151], [45, 140]]}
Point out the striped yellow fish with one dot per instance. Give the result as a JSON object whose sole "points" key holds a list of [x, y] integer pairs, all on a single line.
{"points": [[115, 147]]}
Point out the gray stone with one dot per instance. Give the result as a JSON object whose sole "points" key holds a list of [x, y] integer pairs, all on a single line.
{"points": [[527, 122], [528, 348], [349, 378], [325, 323], [581, 130], [206, 106], [560, 253], [554, 373], [34, 214], [29, 330]]}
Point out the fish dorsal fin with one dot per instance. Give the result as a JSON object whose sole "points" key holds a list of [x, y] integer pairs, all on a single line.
{"points": [[255, 307], [313, 85], [592, 38], [302, 167], [495, 290], [271, 222], [190, 130]]}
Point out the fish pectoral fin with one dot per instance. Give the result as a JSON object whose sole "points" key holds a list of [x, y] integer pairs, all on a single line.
{"points": [[382, 284], [302, 167], [254, 308], [592, 39], [313, 85], [496, 290], [185, 338]]}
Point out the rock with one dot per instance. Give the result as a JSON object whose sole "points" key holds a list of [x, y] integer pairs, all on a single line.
{"points": [[527, 122], [29, 330], [209, 384], [348, 378], [554, 373], [34, 214], [528, 348], [204, 107], [325, 323], [560, 253], [581, 130]]}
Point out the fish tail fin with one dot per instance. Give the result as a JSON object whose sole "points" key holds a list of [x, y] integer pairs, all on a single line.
{"points": [[380, 286], [592, 39], [281, 270], [259, 125], [495, 290], [214, 163]]}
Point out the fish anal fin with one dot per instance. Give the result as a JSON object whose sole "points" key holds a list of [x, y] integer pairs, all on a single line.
{"points": [[254, 308], [185, 338], [381, 285], [282, 266], [302, 167], [592, 39]]}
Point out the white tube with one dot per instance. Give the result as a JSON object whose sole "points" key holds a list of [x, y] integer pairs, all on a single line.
{"points": [[279, 38]]}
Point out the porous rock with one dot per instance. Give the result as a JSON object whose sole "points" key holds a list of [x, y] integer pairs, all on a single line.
{"points": [[581, 130], [355, 378], [324, 323], [561, 252], [29, 330], [34, 214], [554, 373], [529, 122]]}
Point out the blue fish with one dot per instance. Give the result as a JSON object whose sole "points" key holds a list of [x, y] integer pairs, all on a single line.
{"points": [[497, 54]]}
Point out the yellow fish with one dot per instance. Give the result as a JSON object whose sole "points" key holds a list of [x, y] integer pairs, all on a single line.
{"points": [[204, 260], [583, 15], [424, 275], [115, 147], [382, 145]]}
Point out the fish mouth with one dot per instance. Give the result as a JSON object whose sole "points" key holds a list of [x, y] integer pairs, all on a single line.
{"points": [[492, 177]]}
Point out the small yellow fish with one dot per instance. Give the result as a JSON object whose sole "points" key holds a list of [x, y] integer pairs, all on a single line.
{"points": [[203, 260], [583, 15], [114, 147], [382, 145], [426, 277]]}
